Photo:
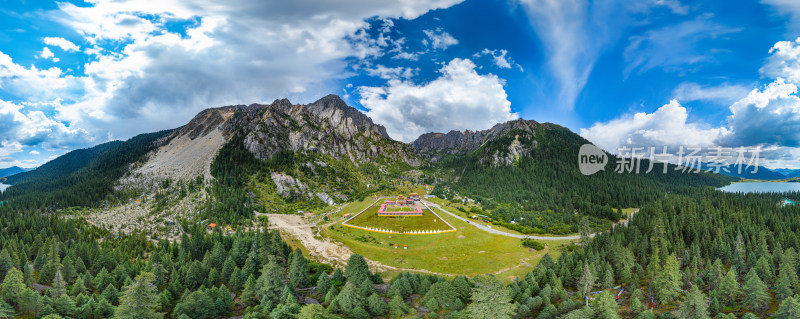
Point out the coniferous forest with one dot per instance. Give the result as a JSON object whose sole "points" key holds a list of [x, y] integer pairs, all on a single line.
{"points": [[703, 255]]}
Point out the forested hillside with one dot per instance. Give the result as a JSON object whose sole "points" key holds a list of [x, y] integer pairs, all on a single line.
{"points": [[543, 187], [80, 178]]}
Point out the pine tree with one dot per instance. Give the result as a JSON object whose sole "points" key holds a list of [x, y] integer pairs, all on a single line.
{"points": [[249, 291], [608, 277], [59, 285], [783, 288], [715, 274], [694, 305], [729, 288], [586, 280], [139, 299], [605, 307], [271, 281], [323, 284], [755, 292], [298, 270], [490, 298], [668, 281], [78, 287], [12, 288], [357, 269], [376, 305], [235, 280], [349, 299], [397, 307], [789, 309]]}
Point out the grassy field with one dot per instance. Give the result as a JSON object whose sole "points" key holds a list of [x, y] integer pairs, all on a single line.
{"points": [[467, 251], [370, 218]]}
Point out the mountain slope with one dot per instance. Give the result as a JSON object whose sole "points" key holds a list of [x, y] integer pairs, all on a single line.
{"points": [[80, 178], [527, 172], [12, 170], [63, 165]]}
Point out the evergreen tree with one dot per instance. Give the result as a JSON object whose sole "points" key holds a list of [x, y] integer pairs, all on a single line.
{"points": [[694, 305], [271, 281], [314, 311], [249, 291], [298, 270], [357, 269], [349, 299], [729, 288], [196, 305], [605, 307], [376, 305], [12, 287], [789, 309], [323, 284], [59, 285], [490, 299], [397, 307], [586, 280], [235, 280], [140, 299], [755, 292], [669, 280]]}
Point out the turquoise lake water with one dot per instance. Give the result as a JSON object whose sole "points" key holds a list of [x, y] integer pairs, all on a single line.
{"points": [[761, 187]]}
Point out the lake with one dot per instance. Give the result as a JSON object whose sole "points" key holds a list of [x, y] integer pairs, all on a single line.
{"points": [[761, 187], [3, 187]]}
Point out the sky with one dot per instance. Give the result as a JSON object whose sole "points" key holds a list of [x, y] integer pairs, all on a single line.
{"points": [[74, 74]]}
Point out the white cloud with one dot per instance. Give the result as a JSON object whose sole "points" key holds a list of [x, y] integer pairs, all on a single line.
{"points": [[725, 93], [34, 152], [143, 77], [767, 116], [673, 47], [19, 128], [574, 33], [388, 73], [667, 126], [784, 61], [788, 8], [499, 58], [62, 43], [47, 54], [439, 39], [673, 5], [459, 99]]}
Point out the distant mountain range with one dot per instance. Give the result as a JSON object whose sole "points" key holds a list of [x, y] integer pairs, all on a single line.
{"points": [[280, 155], [11, 171]]}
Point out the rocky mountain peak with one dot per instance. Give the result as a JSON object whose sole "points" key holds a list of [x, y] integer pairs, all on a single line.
{"points": [[328, 126]]}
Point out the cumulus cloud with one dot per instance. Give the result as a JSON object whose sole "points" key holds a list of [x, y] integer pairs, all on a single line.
{"points": [[62, 43], [20, 128], [667, 126], [767, 116], [459, 99], [439, 39], [47, 54], [143, 76]]}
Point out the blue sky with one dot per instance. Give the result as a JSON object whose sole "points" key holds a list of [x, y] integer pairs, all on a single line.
{"points": [[620, 73]]}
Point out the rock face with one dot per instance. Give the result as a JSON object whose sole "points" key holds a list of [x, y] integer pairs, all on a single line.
{"points": [[186, 153], [434, 145], [327, 126]]}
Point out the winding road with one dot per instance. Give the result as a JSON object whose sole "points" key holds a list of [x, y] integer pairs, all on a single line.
{"points": [[502, 233]]}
